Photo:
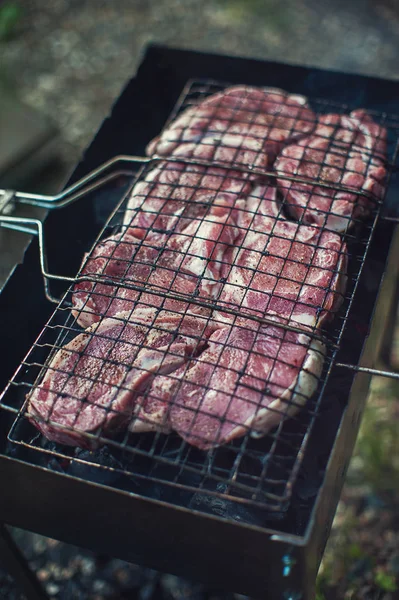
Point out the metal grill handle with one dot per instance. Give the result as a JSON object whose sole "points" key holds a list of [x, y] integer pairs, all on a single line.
{"points": [[35, 227], [84, 186]]}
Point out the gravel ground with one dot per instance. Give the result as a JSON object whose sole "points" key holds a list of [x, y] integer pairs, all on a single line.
{"points": [[69, 573], [70, 59]]}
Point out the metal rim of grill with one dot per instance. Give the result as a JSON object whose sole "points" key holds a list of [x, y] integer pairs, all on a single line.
{"points": [[269, 481]]}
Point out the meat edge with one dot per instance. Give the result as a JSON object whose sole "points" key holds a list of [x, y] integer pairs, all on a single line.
{"points": [[298, 393], [71, 436], [152, 146], [337, 291]]}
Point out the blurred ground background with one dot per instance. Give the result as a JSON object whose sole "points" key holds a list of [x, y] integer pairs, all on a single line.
{"points": [[69, 59]]}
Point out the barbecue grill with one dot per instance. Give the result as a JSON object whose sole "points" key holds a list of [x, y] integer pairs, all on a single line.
{"points": [[253, 516]]}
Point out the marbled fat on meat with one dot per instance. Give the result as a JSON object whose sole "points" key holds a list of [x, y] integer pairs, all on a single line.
{"points": [[173, 193], [343, 150], [93, 384], [189, 263], [239, 126], [247, 380], [150, 361], [296, 271]]}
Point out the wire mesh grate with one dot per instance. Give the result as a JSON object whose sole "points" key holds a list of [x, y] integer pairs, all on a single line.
{"points": [[208, 281]]}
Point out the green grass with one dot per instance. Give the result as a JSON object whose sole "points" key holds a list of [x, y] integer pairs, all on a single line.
{"points": [[377, 447], [275, 15], [10, 14], [385, 581], [376, 469]]}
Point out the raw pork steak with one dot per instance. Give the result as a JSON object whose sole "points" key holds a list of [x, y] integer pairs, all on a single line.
{"points": [[296, 271], [345, 150], [189, 263], [111, 259], [92, 385], [172, 194], [248, 379], [239, 126]]}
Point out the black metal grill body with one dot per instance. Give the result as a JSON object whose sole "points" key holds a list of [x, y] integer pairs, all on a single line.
{"points": [[261, 557]]}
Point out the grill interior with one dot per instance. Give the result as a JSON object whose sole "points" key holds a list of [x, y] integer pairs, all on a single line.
{"points": [[258, 476]]}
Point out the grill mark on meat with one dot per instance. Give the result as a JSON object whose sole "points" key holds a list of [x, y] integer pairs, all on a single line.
{"points": [[346, 150]]}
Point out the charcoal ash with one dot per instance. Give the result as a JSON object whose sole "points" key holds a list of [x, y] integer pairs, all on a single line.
{"points": [[125, 470], [8, 589], [89, 467], [177, 588], [219, 506], [105, 467]]}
